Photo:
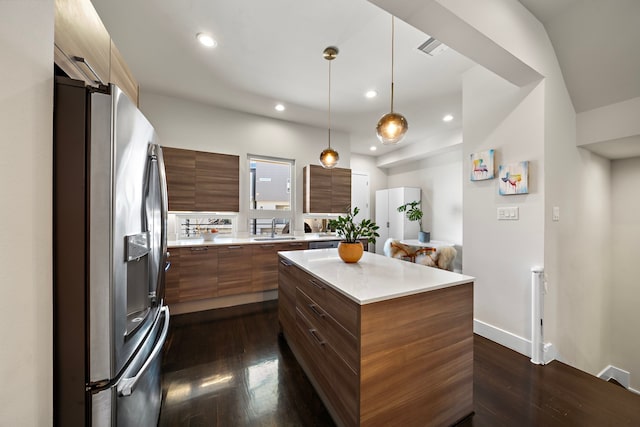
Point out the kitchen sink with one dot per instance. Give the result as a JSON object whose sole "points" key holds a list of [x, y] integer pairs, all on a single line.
{"points": [[270, 239]]}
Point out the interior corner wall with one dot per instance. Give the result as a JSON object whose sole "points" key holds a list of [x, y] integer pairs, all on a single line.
{"points": [[624, 285], [26, 120], [440, 179], [500, 254], [577, 305], [187, 124]]}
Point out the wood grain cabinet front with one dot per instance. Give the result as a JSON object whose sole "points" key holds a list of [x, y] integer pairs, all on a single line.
{"points": [[193, 274], [234, 270], [201, 181], [264, 263], [326, 190], [403, 361], [84, 50]]}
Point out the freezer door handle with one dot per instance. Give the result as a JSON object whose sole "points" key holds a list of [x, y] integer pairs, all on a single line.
{"points": [[127, 385]]}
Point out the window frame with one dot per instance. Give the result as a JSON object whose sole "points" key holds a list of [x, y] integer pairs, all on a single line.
{"points": [[253, 214]]}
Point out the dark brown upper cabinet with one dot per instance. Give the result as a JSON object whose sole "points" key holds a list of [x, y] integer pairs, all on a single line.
{"points": [[200, 181], [326, 190]]}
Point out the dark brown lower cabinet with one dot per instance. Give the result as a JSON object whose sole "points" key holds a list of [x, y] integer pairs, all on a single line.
{"points": [[403, 361], [193, 274], [264, 263], [205, 272], [234, 270]]}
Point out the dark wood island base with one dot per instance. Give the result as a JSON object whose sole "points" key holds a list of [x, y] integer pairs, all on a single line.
{"points": [[406, 360]]}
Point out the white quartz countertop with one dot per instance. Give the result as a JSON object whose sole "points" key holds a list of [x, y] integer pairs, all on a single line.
{"points": [[375, 277], [309, 237]]}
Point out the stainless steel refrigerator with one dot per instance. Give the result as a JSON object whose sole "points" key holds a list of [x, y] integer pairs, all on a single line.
{"points": [[110, 255]]}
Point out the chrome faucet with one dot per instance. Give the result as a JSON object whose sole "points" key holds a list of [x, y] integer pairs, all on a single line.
{"points": [[273, 227]]}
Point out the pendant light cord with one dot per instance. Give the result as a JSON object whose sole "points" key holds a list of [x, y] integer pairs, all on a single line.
{"points": [[329, 119], [392, 55]]}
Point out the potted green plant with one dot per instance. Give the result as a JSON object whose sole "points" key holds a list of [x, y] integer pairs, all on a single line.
{"points": [[350, 248], [414, 213]]}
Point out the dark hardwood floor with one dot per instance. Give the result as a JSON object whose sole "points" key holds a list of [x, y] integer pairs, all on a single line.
{"points": [[228, 367]]}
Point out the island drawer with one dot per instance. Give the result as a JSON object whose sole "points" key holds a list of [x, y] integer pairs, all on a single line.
{"points": [[342, 341], [327, 368], [286, 295], [333, 302]]}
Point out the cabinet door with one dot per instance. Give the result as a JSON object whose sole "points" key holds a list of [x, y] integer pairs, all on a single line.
{"points": [[264, 267], [317, 189], [121, 76], [287, 296], [172, 278], [340, 190], [198, 273], [180, 167], [217, 182], [234, 270], [79, 32]]}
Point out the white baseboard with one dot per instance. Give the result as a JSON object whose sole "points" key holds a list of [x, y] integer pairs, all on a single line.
{"points": [[620, 375], [511, 340]]}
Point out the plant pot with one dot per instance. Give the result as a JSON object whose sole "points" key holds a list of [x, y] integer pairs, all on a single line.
{"points": [[424, 236], [350, 252]]}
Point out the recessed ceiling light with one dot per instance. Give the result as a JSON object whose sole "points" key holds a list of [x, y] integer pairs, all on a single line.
{"points": [[371, 94], [280, 107], [373, 148], [206, 40], [447, 118]]}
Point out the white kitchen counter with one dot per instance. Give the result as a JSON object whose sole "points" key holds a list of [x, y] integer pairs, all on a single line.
{"points": [[309, 237], [375, 277]]}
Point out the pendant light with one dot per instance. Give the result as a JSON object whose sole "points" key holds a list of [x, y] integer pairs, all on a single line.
{"points": [[329, 157], [392, 126]]}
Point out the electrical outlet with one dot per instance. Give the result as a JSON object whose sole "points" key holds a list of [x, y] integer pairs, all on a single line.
{"points": [[556, 213]]}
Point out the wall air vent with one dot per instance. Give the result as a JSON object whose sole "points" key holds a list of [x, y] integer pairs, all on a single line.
{"points": [[433, 47]]}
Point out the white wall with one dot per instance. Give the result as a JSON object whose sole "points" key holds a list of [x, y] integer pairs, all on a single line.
{"points": [[440, 179], [188, 124], [26, 112], [625, 255], [377, 177], [500, 254]]}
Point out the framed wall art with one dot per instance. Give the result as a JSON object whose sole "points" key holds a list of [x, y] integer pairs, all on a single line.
{"points": [[482, 165], [514, 178]]}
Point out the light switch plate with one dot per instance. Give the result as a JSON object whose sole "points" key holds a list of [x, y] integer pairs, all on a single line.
{"points": [[556, 213], [508, 213]]}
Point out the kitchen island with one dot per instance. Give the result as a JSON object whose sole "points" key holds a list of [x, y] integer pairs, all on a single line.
{"points": [[383, 341]]}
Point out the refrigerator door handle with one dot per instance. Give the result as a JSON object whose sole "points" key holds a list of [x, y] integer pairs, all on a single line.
{"points": [[126, 385]]}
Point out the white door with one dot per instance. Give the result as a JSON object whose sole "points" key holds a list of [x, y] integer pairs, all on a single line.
{"points": [[360, 195]]}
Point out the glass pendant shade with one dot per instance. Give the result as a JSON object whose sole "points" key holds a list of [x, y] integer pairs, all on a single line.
{"points": [[329, 158], [391, 128]]}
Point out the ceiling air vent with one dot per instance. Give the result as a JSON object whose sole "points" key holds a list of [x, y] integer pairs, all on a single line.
{"points": [[433, 47]]}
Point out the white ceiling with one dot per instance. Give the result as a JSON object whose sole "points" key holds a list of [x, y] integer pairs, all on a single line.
{"points": [[271, 52]]}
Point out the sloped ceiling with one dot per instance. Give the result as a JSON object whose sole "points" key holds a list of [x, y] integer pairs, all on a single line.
{"points": [[271, 52]]}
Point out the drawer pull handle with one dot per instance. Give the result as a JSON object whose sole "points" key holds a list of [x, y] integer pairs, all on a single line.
{"points": [[295, 244], [283, 262], [199, 249], [234, 247], [267, 246], [316, 310], [317, 336], [316, 284]]}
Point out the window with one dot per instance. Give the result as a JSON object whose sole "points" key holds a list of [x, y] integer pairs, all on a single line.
{"points": [[271, 185]]}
